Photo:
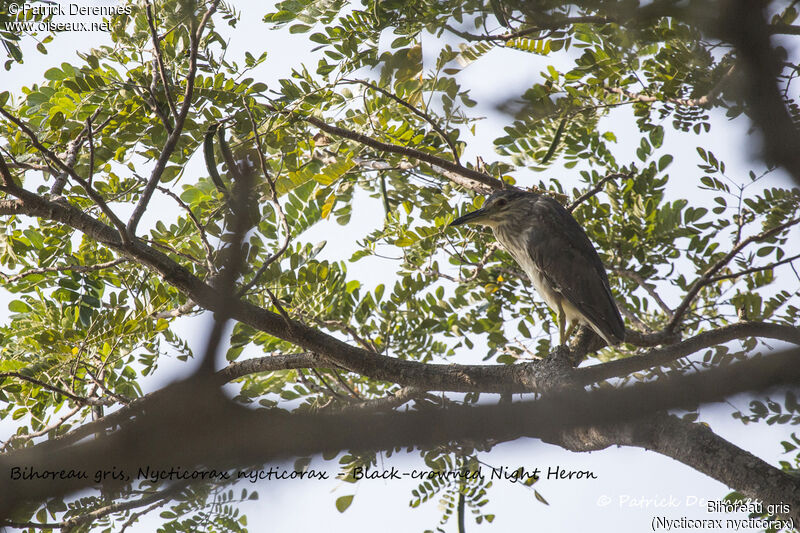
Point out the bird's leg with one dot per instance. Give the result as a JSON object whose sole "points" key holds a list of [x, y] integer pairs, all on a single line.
{"points": [[570, 330], [562, 323]]}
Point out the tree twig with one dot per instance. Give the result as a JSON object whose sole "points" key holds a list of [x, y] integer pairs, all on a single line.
{"points": [[650, 289], [524, 32], [200, 229], [175, 134], [52, 388], [96, 198], [279, 214], [596, 189], [705, 279], [734, 275], [67, 268], [160, 61], [426, 117], [466, 177]]}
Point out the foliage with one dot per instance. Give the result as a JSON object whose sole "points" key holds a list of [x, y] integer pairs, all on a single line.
{"points": [[88, 323]]}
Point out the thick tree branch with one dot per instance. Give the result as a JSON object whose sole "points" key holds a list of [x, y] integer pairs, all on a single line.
{"points": [[203, 429], [269, 363], [784, 29], [700, 448], [406, 394], [743, 24], [695, 445], [96, 198]]}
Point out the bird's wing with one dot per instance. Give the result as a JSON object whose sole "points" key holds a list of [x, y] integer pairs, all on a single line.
{"points": [[563, 252]]}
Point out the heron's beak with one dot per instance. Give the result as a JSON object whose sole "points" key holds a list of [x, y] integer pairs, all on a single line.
{"points": [[473, 217]]}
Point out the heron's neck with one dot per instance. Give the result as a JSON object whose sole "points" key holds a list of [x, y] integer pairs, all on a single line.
{"points": [[508, 237]]}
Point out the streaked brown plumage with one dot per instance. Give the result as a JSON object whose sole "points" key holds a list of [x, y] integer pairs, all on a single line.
{"points": [[555, 252]]}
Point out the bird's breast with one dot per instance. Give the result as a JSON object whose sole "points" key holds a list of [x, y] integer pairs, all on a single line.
{"points": [[517, 246]]}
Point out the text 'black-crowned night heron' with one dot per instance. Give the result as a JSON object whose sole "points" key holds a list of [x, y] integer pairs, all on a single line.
{"points": [[555, 252]]}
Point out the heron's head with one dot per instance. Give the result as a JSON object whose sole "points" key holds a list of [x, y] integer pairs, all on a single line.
{"points": [[502, 206]]}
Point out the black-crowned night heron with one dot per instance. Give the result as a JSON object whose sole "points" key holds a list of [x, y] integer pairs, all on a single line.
{"points": [[555, 252]]}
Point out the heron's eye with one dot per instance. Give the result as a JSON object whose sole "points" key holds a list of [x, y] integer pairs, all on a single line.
{"points": [[501, 202]]}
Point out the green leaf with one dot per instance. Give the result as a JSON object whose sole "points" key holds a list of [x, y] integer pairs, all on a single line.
{"points": [[57, 121], [18, 306], [170, 173], [556, 140], [54, 74], [657, 136], [343, 502]]}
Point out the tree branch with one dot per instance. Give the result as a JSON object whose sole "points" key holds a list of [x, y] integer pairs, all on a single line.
{"points": [[160, 60], [424, 116], [406, 394], [596, 189], [279, 214], [96, 198], [45, 430], [743, 24], [124, 506], [203, 429], [668, 354], [466, 177], [269, 363], [784, 29], [67, 268], [702, 101], [523, 32], [52, 388], [73, 147], [753, 270], [705, 279], [200, 229], [175, 134], [695, 445]]}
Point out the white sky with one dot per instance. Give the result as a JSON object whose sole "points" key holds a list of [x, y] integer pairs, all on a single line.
{"points": [[634, 481]]}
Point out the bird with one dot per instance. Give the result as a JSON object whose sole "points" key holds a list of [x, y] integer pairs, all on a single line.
{"points": [[558, 257]]}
